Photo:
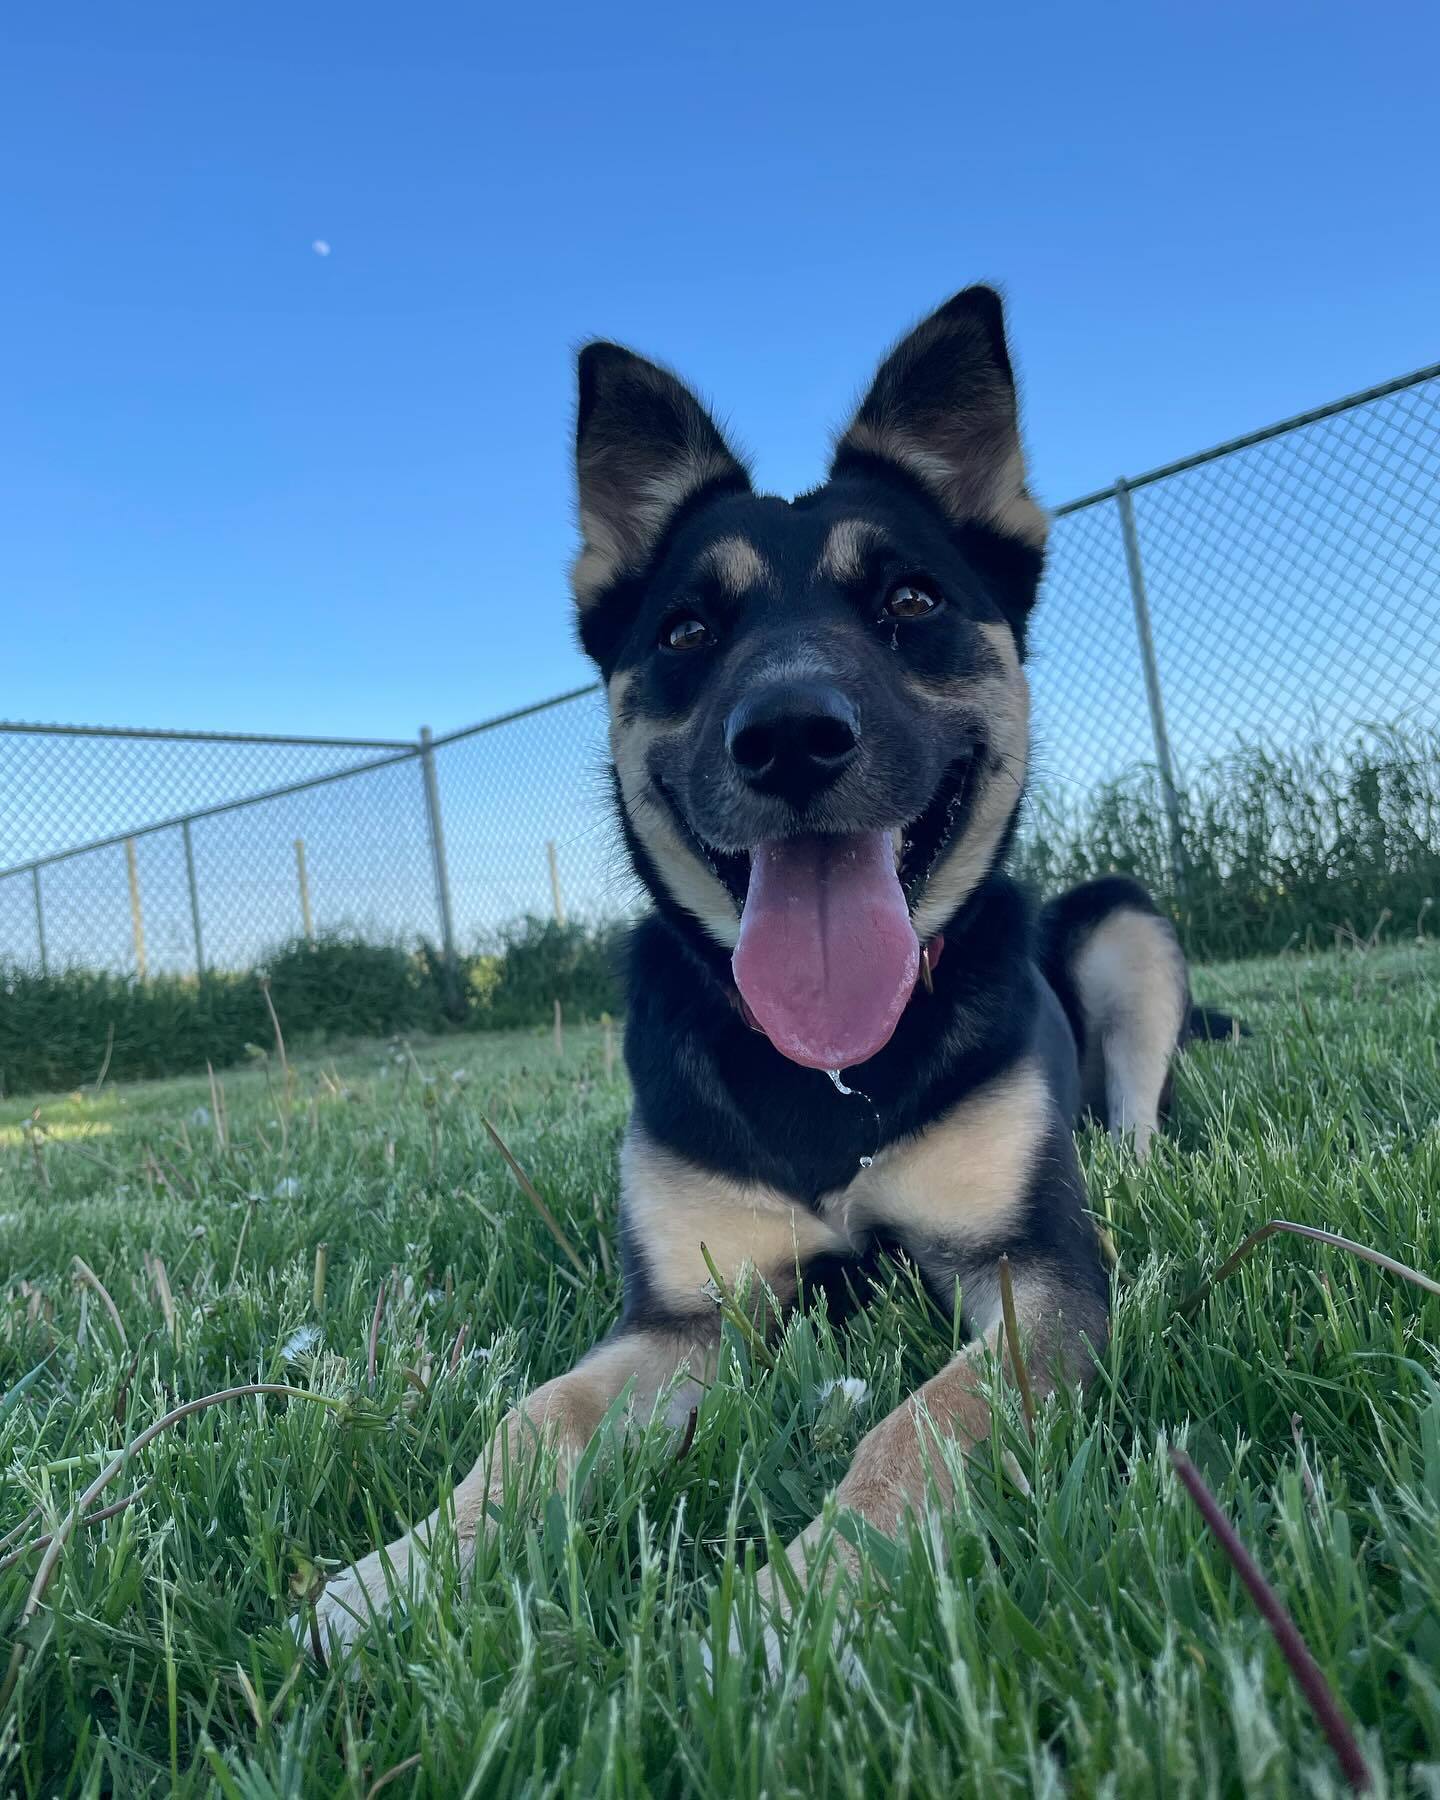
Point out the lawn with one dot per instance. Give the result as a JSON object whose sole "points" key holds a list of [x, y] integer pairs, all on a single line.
{"points": [[1086, 1636]]}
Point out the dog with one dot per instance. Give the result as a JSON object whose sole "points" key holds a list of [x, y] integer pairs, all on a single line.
{"points": [[847, 1032]]}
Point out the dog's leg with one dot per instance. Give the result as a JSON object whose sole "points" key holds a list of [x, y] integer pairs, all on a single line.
{"points": [[900, 1462], [1130, 977], [999, 1174], [1116, 965], [559, 1419]]}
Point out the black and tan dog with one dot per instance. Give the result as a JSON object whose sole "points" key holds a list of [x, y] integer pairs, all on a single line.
{"points": [[845, 1028]]}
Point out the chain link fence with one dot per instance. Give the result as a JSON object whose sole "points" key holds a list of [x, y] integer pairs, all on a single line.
{"points": [[1279, 588]]}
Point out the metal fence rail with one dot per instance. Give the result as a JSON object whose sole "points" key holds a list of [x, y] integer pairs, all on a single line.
{"points": [[1281, 586]]}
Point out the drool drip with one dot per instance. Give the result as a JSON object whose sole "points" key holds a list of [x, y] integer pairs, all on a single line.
{"points": [[859, 1094]]}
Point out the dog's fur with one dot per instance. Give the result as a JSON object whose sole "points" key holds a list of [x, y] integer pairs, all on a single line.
{"points": [[954, 1142]]}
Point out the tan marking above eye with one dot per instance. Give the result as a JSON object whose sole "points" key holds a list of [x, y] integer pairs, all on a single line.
{"points": [[736, 564], [847, 544]]}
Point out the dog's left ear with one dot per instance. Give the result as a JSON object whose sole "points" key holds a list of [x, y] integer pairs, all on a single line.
{"points": [[644, 445], [942, 408]]}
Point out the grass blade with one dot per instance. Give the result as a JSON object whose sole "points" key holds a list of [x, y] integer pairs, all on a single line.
{"points": [[85, 1274], [77, 1512], [1188, 1308], [1307, 1672], [1012, 1338], [532, 1194], [95, 1518]]}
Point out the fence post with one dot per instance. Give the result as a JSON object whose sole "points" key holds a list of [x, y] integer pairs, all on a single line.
{"points": [[1152, 680], [137, 918], [39, 919], [194, 898], [441, 866], [306, 921]]}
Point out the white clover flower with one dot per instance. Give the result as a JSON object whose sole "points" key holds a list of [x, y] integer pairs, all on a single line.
{"points": [[850, 1387], [300, 1343]]}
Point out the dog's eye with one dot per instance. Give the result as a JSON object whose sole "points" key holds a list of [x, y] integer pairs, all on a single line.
{"points": [[906, 601], [685, 634]]}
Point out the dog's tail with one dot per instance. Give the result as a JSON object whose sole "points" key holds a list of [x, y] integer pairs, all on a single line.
{"points": [[1210, 1025]]}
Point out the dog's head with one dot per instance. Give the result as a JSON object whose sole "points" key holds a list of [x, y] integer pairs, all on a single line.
{"points": [[818, 714]]}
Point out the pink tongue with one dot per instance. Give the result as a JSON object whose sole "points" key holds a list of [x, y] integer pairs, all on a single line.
{"points": [[827, 957]]}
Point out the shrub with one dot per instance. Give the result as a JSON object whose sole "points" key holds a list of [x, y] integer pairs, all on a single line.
{"points": [[537, 962], [343, 986], [56, 1031]]}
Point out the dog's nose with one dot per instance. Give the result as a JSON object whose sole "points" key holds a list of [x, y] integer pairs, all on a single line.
{"points": [[793, 738]]}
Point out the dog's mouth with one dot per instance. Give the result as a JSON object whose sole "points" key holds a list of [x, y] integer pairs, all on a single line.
{"points": [[827, 957], [926, 842]]}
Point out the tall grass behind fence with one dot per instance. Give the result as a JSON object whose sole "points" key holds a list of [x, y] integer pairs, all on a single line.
{"points": [[1236, 674], [1321, 844]]}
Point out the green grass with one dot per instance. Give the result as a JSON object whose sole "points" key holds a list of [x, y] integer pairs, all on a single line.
{"points": [[1088, 1638]]}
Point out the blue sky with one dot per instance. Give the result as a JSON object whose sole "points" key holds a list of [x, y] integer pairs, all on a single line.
{"points": [[247, 485]]}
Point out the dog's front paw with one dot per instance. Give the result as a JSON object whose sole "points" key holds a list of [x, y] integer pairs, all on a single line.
{"points": [[775, 1614], [773, 1641], [773, 1647], [352, 1601]]}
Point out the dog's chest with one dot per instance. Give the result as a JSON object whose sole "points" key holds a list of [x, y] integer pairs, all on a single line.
{"points": [[960, 1181], [961, 1178]]}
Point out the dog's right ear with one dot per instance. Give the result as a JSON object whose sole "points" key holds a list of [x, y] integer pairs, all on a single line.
{"points": [[644, 445]]}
